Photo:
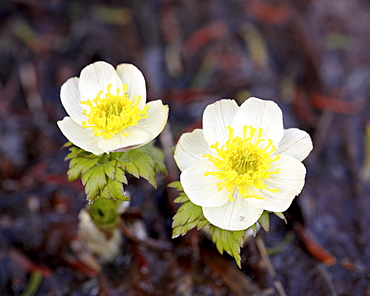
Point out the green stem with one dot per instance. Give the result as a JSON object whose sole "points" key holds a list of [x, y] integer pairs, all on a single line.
{"points": [[33, 283]]}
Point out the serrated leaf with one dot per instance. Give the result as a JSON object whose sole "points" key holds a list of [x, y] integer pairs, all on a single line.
{"points": [[145, 162], [66, 145], [264, 221], [132, 169], [73, 173], [238, 237], [202, 224], [80, 162], [188, 216], [193, 224], [91, 191], [228, 241], [120, 175], [156, 155], [187, 213], [177, 185], [103, 175], [110, 169], [146, 165], [104, 193], [181, 198], [178, 231], [181, 217], [87, 163], [74, 152], [94, 172], [123, 197], [115, 189], [95, 175]]}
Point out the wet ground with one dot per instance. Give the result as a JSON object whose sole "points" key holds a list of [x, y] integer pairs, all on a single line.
{"points": [[311, 57]]}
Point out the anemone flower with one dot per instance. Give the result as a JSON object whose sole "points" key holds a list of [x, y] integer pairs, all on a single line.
{"points": [[107, 109], [242, 162]]}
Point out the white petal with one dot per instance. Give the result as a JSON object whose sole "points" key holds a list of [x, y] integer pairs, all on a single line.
{"points": [[260, 114], [97, 77], [289, 181], [79, 136], [216, 118], [134, 139], [190, 149], [132, 76], [156, 120], [233, 215], [202, 190], [296, 143], [70, 97]]}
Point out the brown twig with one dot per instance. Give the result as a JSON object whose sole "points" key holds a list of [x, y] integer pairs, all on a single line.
{"points": [[312, 246], [152, 243], [270, 268], [233, 278]]}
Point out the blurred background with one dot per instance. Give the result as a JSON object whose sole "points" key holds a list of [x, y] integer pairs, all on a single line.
{"points": [[311, 57]]}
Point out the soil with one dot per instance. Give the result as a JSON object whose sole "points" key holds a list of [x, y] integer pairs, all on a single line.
{"points": [[311, 57]]}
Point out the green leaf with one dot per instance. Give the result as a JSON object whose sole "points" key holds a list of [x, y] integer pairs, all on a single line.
{"points": [[73, 152], [146, 162], [92, 191], [254, 228], [132, 169], [120, 175], [105, 194], [157, 155], [110, 169], [80, 162], [74, 172], [67, 145], [181, 198], [228, 241], [177, 185], [116, 191], [188, 215], [264, 221], [281, 216], [103, 175], [99, 174], [146, 166], [202, 224]]}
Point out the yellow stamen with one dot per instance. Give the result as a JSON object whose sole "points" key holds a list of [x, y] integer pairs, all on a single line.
{"points": [[110, 114], [243, 164]]}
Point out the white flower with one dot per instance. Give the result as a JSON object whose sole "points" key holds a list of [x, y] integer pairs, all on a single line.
{"points": [[107, 109], [242, 162]]}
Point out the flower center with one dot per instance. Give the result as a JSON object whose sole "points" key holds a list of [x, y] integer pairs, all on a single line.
{"points": [[242, 164], [111, 114]]}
